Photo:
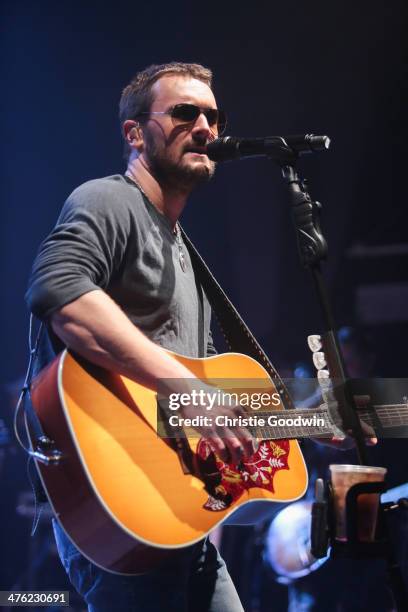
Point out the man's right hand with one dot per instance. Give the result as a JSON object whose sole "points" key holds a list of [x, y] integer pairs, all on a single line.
{"points": [[231, 442]]}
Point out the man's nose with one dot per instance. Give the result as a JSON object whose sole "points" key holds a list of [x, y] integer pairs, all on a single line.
{"points": [[201, 125]]}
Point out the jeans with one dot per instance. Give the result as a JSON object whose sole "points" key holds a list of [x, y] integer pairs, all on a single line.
{"points": [[197, 581]]}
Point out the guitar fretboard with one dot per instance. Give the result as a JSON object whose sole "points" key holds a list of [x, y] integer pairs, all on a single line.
{"points": [[393, 415], [283, 424], [312, 423]]}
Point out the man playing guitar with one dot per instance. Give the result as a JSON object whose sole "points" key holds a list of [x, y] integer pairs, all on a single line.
{"points": [[115, 284]]}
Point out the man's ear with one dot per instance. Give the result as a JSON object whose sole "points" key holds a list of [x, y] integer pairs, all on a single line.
{"points": [[133, 134]]}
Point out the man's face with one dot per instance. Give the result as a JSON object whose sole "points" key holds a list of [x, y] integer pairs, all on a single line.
{"points": [[175, 154]]}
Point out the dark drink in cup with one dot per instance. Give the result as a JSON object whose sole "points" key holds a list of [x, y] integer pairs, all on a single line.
{"points": [[345, 476]]}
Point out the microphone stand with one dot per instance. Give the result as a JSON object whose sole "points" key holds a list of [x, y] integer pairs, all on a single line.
{"points": [[312, 249]]}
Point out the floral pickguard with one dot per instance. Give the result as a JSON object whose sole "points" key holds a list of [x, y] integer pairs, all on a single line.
{"points": [[258, 471]]}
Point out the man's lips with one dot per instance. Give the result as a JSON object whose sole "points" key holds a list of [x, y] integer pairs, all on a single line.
{"points": [[197, 150]]}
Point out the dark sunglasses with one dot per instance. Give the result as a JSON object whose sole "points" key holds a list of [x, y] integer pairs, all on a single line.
{"points": [[182, 114]]}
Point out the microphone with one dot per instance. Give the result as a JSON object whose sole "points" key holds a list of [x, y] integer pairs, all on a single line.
{"points": [[230, 147]]}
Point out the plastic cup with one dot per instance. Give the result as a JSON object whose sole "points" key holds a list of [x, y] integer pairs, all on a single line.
{"points": [[345, 476]]}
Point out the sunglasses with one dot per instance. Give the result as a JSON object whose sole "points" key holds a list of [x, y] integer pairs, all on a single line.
{"points": [[182, 114]]}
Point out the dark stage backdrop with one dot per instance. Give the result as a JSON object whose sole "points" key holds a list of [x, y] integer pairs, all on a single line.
{"points": [[336, 68]]}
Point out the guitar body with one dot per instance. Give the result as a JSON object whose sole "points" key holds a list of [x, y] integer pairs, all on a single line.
{"points": [[119, 491]]}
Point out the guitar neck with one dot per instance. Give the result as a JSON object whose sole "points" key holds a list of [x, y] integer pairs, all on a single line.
{"points": [[318, 422], [298, 423], [385, 415]]}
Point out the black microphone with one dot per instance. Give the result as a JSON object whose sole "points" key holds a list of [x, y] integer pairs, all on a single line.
{"points": [[230, 147]]}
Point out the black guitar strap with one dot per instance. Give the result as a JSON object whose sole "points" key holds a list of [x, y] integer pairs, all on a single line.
{"points": [[237, 334]]}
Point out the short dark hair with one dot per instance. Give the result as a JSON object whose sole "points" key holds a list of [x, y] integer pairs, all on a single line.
{"points": [[137, 97]]}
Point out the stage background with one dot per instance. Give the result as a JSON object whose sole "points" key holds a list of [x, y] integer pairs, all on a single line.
{"points": [[336, 68]]}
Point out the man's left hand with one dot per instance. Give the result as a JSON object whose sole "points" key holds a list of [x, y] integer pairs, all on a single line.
{"points": [[347, 442]]}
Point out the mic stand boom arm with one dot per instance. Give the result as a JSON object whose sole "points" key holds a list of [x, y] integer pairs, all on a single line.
{"points": [[312, 248]]}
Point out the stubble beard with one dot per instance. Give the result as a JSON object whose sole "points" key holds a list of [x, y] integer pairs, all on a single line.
{"points": [[177, 176]]}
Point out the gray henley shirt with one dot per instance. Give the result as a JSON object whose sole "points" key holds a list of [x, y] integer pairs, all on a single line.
{"points": [[109, 236]]}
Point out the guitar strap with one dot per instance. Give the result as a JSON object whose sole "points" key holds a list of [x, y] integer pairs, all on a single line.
{"points": [[237, 334]]}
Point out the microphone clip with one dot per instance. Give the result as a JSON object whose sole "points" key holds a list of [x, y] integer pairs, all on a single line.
{"points": [[312, 245]]}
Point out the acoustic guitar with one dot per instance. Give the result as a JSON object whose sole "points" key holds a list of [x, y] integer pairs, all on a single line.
{"points": [[129, 498]]}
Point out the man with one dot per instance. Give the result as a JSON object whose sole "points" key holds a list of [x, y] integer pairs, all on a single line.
{"points": [[115, 283]]}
